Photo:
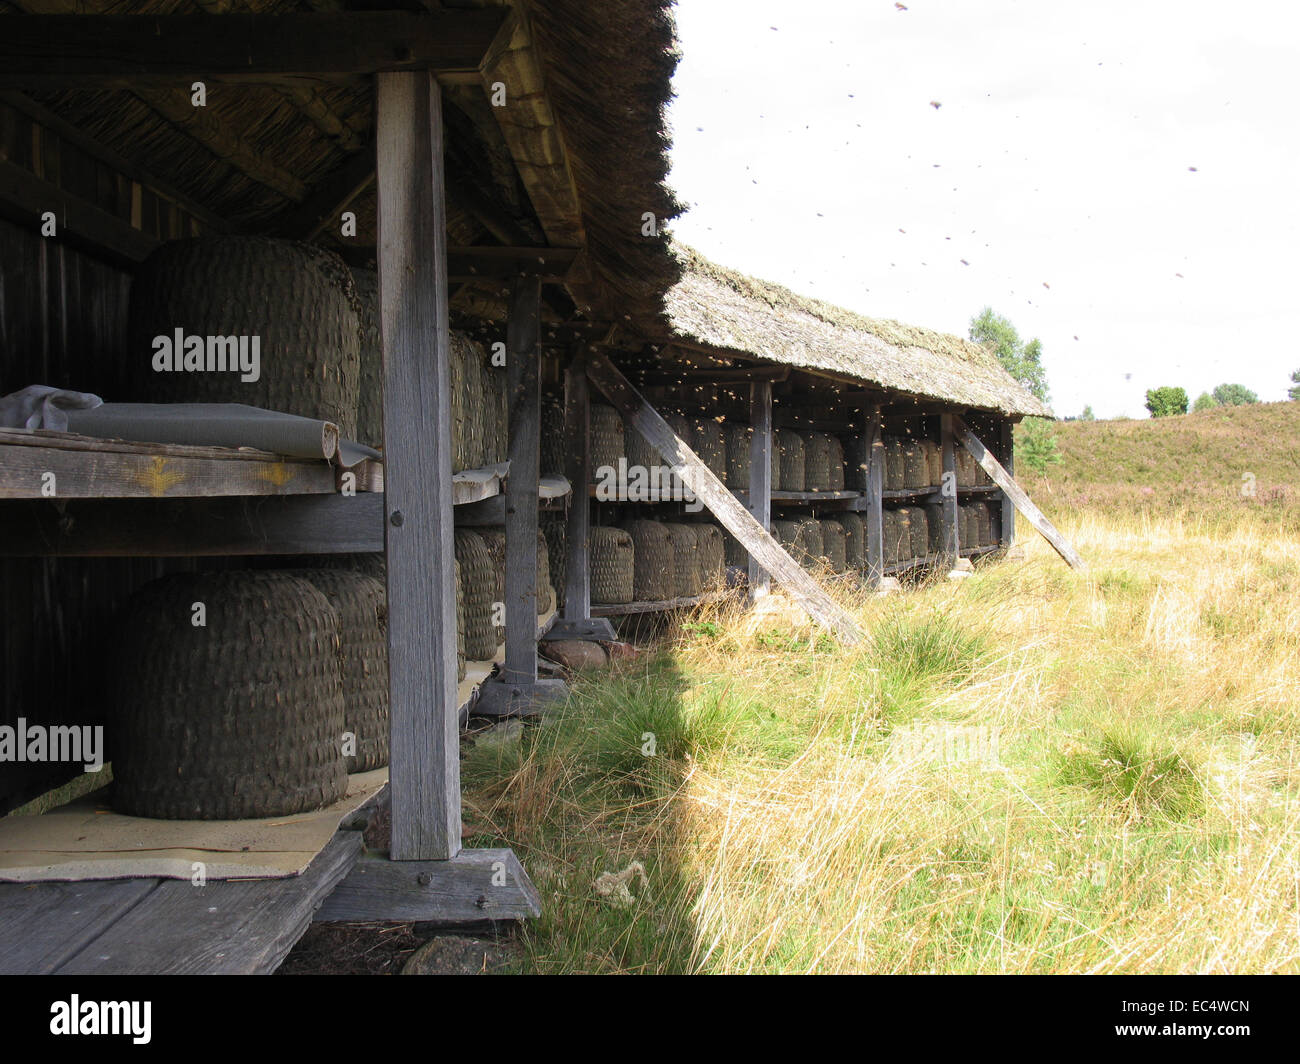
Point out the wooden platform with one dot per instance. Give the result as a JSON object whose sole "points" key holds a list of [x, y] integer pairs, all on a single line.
{"points": [[626, 609]]}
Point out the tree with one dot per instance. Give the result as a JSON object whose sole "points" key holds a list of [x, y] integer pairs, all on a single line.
{"points": [[1166, 401], [1036, 446], [1234, 395], [1087, 414], [1294, 392], [1204, 401], [1023, 360]]}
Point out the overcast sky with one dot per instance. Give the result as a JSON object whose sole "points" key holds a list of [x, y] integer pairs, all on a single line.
{"points": [[1061, 154]]}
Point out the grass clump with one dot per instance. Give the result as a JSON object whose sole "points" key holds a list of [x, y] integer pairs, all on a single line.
{"points": [[1123, 766]]}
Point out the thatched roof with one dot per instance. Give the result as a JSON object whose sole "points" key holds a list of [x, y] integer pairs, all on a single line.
{"points": [[724, 309]]}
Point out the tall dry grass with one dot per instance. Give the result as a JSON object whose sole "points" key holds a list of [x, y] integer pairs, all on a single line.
{"points": [[1029, 770]]}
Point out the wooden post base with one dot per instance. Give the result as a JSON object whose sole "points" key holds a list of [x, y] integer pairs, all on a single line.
{"points": [[474, 888], [593, 629], [496, 698]]}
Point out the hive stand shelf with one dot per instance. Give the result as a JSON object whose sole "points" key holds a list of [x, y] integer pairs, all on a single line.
{"points": [[625, 609]]}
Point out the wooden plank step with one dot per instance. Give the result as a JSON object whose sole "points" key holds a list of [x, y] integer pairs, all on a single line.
{"points": [[224, 928], [43, 925]]}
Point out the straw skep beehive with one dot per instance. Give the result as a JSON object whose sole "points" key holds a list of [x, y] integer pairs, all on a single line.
{"points": [[496, 415], [297, 299], [640, 454], [478, 591], [933, 462], [712, 553], [889, 523], [934, 527], [370, 384], [916, 473], [682, 427], [688, 573], [791, 453], [834, 545], [817, 461], [709, 440], [494, 539], [242, 716], [612, 564], [739, 437], [607, 438], [460, 624], [837, 470], [654, 576], [808, 543], [468, 447], [362, 609], [547, 599], [895, 476], [920, 529], [551, 525], [855, 541], [552, 448]]}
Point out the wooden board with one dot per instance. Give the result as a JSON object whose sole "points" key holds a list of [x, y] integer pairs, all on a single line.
{"points": [[577, 438], [760, 476], [714, 494], [1016, 494], [236, 927], [193, 528], [1006, 435], [43, 925], [627, 609], [874, 448], [424, 745], [473, 887], [129, 51], [948, 511], [84, 467]]}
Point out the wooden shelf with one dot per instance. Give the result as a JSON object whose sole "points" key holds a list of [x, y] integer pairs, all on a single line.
{"points": [[624, 609], [680, 495]]}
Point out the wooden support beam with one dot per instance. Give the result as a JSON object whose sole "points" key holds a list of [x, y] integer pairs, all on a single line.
{"points": [[193, 528], [551, 265], [1016, 494], [522, 359], [132, 51], [714, 494], [473, 889], [738, 375], [872, 479], [1006, 435], [24, 197], [327, 201], [948, 490], [760, 476], [424, 764]]}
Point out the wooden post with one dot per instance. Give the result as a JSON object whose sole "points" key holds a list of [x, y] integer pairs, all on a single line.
{"points": [[577, 622], [424, 753], [873, 490], [1016, 494], [1008, 531], [948, 491], [522, 359], [760, 476]]}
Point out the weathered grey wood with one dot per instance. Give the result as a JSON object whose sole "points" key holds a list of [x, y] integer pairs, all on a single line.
{"points": [[874, 489], [714, 494], [1006, 433], [474, 886], [193, 528], [42, 925], [129, 51], [760, 475], [627, 609], [424, 766], [86, 468], [522, 361], [228, 927], [577, 438], [948, 513], [1016, 494]]}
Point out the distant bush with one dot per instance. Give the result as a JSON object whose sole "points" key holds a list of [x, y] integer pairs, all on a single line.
{"points": [[1036, 446], [1204, 401], [1234, 395], [1167, 401]]}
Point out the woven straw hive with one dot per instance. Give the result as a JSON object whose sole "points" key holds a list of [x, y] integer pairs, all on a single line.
{"points": [[890, 523], [920, 529], [903, 530], [817, 461], [834, 545], [496, 414], [791, 455], [547, 599], [494, 539], [362, 609], [299, 300], [934, 527], [680, 425], [895, 479], [467, 429], [607, 438], [240, 717], [712, 550], [739, 437], [640, 454], [916, 473], [808, 543], [984, 517], [688, 575], [552, 450], [966, 534], [654, 577], [612, 564], [708, 439], [734, 551], [551, 525], [933, 462], [836, 481], [855, 541], [478, 581], [370, 388], [460, 625]]}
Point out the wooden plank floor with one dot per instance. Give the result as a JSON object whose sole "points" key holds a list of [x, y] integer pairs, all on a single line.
{"points": [[166, 926]]}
